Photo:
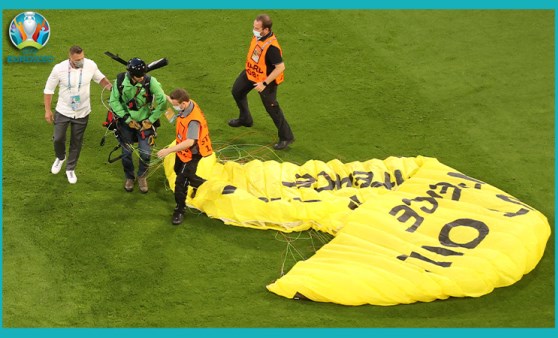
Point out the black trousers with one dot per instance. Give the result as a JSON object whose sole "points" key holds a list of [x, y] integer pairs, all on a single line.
{"points": [[185, 176], [242, 86]]}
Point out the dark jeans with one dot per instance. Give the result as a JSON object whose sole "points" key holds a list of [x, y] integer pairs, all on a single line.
{"points": [[242, 86], [185, 176], [77, 130], [128, 137]]}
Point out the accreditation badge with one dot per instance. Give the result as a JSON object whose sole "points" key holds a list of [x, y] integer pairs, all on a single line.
{"points": [[74, 101], [257, 53]]}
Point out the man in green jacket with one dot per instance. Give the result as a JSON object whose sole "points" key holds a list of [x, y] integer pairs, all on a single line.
{"points": [[138, 101]]}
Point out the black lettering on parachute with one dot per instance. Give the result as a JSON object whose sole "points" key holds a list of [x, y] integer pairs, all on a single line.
{"points": [[465, 177], [359, 179], [510, 199], [445, 240], [408, 213], [481, 227]]}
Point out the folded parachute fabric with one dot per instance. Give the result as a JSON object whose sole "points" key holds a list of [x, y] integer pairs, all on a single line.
{"points": [[406, 229]]}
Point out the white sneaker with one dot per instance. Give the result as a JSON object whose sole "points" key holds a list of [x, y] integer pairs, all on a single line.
{"points": [[72, 178], [57, 165]]}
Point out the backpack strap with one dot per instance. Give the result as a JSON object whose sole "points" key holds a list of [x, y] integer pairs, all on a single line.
{"points": [[119, 84], [146, 84], [147, 87]]}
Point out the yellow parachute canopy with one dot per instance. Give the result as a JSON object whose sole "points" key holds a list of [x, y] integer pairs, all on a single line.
{"points": [[406, 229]]}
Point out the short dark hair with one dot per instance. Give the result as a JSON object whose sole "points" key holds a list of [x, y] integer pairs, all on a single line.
{"points": [[265, 20], [76, 50], [180, 95]]}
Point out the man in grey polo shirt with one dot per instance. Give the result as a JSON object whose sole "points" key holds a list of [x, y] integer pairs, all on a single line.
{"points": [[73, 77]]}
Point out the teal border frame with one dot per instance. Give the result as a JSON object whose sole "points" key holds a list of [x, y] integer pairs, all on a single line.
{"points": [[285, 4]]}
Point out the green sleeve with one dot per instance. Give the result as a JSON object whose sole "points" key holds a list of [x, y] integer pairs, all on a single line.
{"points": [[115, 103], [160, 100]]}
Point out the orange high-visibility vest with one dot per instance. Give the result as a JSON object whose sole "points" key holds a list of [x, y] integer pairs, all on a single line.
{"points": [[256, 69], [204, 142]]}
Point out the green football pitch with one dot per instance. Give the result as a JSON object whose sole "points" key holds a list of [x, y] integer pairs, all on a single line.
{"points": [[474, 89]]}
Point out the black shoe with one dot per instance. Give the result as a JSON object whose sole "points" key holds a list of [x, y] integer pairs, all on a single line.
{"points": [[177, 217], [235, 123], [282, 144]]}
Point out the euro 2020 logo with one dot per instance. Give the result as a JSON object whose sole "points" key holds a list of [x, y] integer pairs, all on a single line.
{"points": [[29, 29]]}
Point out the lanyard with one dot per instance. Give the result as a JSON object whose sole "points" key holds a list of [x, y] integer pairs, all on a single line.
{"points": [[70, 84]]}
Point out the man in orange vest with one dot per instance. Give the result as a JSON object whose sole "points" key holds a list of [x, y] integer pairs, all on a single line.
{"points": [[192, 143], [263, 71]]}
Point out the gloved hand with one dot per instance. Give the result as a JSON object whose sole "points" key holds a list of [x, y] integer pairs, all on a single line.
{"points": [[134, 125], [146, 124]]}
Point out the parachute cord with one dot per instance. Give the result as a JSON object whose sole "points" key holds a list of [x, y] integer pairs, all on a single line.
{"points": [[290, 250], [246, 133], [102, 101], [154, 163], [322, 238], [239, 153], [264, 148], [193, 211], [106, 133], [167, 185], [316, 238]]}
